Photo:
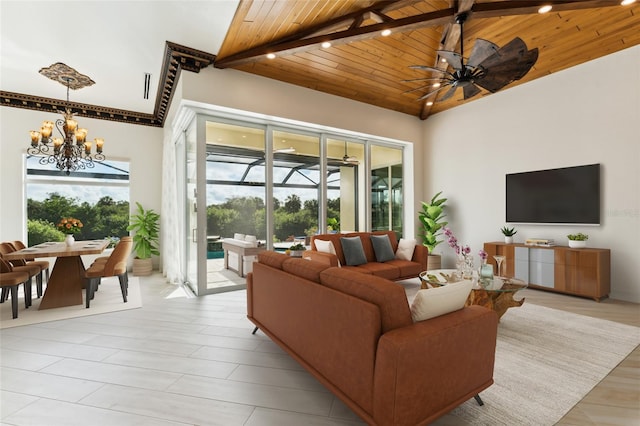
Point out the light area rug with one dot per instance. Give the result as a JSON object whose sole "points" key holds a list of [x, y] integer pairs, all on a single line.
{"points": [[547, 360], [107, 299]]}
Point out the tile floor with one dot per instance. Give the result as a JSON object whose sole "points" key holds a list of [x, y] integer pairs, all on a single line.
{"points": [[178, 360], [182, 360]]}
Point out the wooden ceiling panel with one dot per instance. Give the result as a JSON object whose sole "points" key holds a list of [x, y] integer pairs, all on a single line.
{"points": [[371, 68]]}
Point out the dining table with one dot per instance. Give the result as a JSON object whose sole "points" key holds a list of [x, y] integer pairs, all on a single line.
{"points": [[66, 280]]}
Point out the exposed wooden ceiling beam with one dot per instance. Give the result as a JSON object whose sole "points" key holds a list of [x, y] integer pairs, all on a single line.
{"points": [[349, 28]]}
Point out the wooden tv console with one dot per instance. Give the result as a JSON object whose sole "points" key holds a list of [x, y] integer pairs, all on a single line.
{"points": [[581, 272]]}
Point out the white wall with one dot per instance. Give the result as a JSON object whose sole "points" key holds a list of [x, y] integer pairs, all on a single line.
{"points": [[141, 145], [583, 115]]}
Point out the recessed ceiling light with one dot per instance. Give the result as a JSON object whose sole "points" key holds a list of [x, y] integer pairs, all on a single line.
{"points": [[271, 55], [429, 103], [546, 8], [385, 33], [627, 2], [436, 85], [443, 60], [326, 45]]}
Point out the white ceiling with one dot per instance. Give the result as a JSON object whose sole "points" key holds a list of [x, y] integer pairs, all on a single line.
{"points": [[113, 42]]}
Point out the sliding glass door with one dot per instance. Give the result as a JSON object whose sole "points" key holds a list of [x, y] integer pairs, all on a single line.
{"points": [[276, 186]]}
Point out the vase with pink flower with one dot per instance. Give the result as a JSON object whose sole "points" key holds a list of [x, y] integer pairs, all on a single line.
{"points": [[464, 261]]}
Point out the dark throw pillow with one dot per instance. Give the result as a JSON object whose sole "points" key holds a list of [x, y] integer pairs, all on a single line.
{"points": [[382, 248], [353, 251]]}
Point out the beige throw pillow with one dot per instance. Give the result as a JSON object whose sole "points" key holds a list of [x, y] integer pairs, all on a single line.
{"points": [[405, 249], [326, 247], [438, 301]]}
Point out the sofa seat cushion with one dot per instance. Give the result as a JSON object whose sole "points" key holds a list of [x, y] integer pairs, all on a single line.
{"points": [[390, 297], [304, 268], [406, 268], [358, 269], [384, 270]]}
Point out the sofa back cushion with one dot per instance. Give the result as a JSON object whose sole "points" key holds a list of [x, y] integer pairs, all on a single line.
{"points": [[389, 297], [272, 258], [365, 237], [304, 268]]}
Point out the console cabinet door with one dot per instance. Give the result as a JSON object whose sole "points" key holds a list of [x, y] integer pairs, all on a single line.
{"points": [[581, 272]]}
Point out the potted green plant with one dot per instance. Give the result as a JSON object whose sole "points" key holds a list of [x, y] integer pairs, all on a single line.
{"points": [[578, 240], [432, 220], [296, 250], [508, 234], [145, 224]]}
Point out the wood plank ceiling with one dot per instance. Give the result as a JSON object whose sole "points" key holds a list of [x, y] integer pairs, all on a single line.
{"points": [[365, 66]]}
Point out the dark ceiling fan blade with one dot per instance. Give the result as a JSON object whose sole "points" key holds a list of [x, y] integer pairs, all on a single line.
{"points": [[449, 92], [470, 90], [508, 71], [454, 59], [423, 97], [512, 50], [482, 49]]}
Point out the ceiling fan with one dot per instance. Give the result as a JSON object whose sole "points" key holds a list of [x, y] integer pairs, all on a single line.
{"points": [[489, 67], [349, 159]]}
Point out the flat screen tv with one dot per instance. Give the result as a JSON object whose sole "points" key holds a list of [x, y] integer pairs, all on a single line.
{"points": [[569, 195]]}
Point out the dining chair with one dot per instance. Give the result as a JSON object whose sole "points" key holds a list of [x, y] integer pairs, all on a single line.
{"points": [[11, 280], [19, 265], [115, 266], [43, 264]]}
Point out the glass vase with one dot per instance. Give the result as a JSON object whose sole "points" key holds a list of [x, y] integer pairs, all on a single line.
{"points": [[467, 271]]}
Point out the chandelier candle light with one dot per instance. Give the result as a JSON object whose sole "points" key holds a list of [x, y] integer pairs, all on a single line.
{"points": [[70, 153]]}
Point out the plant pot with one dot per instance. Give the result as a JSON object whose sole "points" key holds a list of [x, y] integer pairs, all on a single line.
{"points": [[69, 240], [508, 240], [577, 244], [295, 253], [434, 261], [142, 267]]}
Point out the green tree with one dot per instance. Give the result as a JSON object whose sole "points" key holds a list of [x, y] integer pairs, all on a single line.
{"points": [[107, 218], [292, 204], [40, 231]]}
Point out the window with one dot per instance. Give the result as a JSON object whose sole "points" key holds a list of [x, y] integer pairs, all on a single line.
{"points": [[98, 197]]}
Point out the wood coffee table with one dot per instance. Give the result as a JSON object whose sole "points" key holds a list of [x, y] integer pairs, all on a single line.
{"points": [[498, 295]]}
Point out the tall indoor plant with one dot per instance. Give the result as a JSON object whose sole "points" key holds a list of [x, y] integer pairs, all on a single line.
{"points": [[145, 224], [432, 219]]}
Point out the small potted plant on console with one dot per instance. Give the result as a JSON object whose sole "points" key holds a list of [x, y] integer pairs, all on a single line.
{"points": [[508, 234], [578, 240]]}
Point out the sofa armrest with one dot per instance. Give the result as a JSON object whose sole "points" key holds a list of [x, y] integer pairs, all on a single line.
{"points": [[426, 369], [317, 256], [421, 255]]}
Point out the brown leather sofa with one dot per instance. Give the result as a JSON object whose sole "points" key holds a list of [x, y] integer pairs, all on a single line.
{"points": [[354, 333], [394, 270]]}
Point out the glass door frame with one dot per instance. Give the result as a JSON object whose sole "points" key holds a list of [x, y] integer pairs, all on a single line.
{"points": [[210, 113]]}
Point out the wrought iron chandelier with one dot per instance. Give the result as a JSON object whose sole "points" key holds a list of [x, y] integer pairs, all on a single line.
{"points": [[70, 153]]}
